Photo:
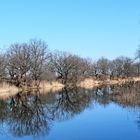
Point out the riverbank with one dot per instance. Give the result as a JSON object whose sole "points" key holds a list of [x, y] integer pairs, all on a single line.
{"points": [[50, 86], [7, 90], [90, 83]]}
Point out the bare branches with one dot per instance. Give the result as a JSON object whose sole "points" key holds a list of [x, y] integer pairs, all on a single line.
{"points": [[38, 59], [69, 68], [26, 61], [26, 64]]}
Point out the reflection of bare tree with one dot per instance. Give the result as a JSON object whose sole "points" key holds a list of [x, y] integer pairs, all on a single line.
{"points": [[127, 95], [68, 103], [102, 95], [32, 114], [3, 111], [27, 116], [3, 116]]}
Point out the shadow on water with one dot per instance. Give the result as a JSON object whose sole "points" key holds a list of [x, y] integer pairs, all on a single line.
{"points": [[28, 114]]}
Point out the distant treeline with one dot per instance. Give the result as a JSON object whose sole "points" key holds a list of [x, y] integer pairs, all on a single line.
{"points": [[27, 64]]}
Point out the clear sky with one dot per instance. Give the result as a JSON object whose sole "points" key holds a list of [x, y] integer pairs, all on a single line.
{"points": [[89, 28]]}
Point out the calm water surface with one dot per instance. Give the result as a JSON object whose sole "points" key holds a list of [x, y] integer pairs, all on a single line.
{"points": [[107, 113]]}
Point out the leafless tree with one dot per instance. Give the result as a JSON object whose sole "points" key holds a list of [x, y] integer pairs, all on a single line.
{"points": [[18, 63], [25, 62], [137, 57], [68, 67], [2, 68], [103, 66], [38, 57], [122, 67]]}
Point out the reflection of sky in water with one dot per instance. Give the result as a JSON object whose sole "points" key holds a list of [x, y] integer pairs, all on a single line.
{"points": [[103, 113], [111, 122]]}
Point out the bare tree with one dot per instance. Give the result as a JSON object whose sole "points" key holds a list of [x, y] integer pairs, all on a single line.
{"points": [[38, 55], [68, 67], [2, 68], [122, 67], [26, 61], [26, 64], [137, 57], [18, 63], [103, 66]]}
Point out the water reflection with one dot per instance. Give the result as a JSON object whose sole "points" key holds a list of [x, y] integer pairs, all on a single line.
{"points": [[28, 114], [68, 103]]}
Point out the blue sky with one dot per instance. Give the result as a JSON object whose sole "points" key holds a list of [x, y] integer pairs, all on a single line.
{"points": [[89, 28]]}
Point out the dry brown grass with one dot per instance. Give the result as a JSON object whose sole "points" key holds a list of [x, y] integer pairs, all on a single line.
{"points": [[5, 87], [7, 90], [50, 86], [90, 83]]}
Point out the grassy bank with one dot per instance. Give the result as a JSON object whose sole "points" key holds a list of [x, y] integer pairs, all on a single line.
{"points": [[7, 90], [90, 83], [50, 86]]}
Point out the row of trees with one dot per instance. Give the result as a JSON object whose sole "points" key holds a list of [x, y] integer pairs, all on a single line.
{"points": [[26, 64]]}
